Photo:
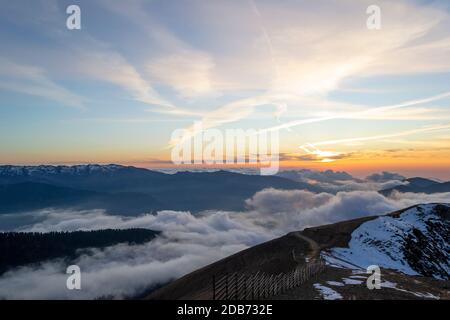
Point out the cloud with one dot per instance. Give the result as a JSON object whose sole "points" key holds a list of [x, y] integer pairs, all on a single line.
{"points": [[333, 182], [306, 175], [409, 199], [315, 154], [113, 68], [297, 209], [91, 56], [187, 242], [317, 60], [381, 137], [384, 177], [280, 63], [272, 201], [187, 72], [334, 110], [34, 81], [300, 209], [361, 185]]}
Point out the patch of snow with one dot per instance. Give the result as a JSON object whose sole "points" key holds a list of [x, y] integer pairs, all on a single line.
{"points": [[351, 281], [388, 284], [327, 293], [425, 295], [335, 283], [381, 241], [358, 277], [392, 285], [332, 261], [359, 271]]}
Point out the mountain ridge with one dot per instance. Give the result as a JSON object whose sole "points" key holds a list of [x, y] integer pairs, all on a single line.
{"points": [[182, 191], [419, 185]]}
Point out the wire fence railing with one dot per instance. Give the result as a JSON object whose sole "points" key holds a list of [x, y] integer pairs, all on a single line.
{"points": [[256, 286]]}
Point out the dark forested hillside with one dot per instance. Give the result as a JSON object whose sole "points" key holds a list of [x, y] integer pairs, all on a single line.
{"points": [[19, 248], [29, 196]]}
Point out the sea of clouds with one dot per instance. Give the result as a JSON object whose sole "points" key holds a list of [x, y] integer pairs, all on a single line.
{"points": [[187, 241]]}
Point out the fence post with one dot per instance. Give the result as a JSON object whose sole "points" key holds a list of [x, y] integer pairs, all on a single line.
{"points": [[286, 279], [277, 284], [236, 291], [256, 280], [226, 286], [294, 279], [214, 287], [263, 286], [245, 288], [252, 281], [274, 286], [260, 285]]}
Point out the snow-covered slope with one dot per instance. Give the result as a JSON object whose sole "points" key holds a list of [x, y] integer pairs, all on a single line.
{"points": [[415, 242]]}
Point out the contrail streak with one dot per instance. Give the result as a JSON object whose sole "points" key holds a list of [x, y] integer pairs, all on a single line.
{"points": [[266, 35], [358, 113], [379, 137]]}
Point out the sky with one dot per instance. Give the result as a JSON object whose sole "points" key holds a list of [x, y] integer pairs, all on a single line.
{"points": [[341, 96]]}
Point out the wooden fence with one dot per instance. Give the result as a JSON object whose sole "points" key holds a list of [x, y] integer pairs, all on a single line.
{"points": [[235, 286]]}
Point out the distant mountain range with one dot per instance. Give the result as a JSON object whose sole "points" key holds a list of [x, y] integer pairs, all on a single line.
{"points": [[130, 190], [420, 185], [26, 196]]}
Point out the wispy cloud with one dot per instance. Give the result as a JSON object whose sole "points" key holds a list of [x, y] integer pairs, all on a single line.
{"points": [[288, 63], [382, 112], [189, 73], [111, 67], [317, 60], [313, 153], [34, 81], [379, 137]]}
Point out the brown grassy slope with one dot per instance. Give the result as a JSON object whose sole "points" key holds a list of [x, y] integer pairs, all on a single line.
{"points": [[275, 256]]}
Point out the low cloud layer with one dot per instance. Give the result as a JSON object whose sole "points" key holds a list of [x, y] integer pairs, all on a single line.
{"points": [[298, 209], [187, 242], [385, 177], [336, 181]]}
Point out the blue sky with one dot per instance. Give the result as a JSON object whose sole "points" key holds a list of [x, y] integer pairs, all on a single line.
{"points": [[137, 70]]}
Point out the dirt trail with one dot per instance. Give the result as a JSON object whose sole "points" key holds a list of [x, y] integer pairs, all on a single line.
{"points": [[315, 248]]}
